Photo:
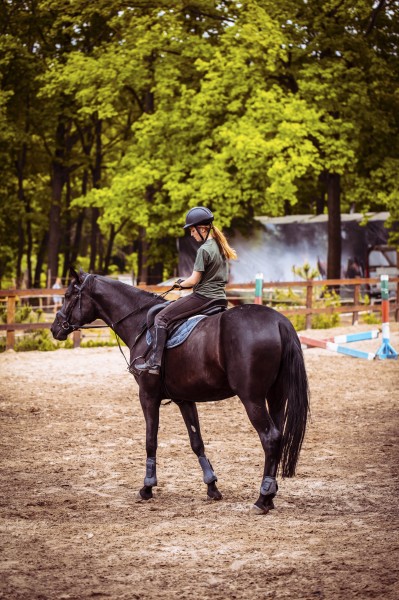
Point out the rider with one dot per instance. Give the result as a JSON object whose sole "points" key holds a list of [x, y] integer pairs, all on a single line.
{"points": [[208, 280]]}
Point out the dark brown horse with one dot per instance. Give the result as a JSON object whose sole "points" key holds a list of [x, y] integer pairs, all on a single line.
{"points": [[249, 351]]}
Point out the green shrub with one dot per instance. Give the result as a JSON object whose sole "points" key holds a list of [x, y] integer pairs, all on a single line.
{"points": [[24, 314], [99, 343], [40, 340], [372, 318], [298, 321], [325, 321]]}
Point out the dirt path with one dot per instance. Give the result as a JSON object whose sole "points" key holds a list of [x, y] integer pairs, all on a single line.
{"points": [[72, 448]]}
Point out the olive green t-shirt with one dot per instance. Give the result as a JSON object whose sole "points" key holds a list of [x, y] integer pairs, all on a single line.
{"points": [[215, 269]]}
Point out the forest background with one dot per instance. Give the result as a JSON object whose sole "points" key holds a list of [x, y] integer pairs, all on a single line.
{"points": [[117, 117]]}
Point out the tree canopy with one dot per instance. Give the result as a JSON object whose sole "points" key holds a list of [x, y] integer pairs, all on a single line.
{"points": [[116, 118]]}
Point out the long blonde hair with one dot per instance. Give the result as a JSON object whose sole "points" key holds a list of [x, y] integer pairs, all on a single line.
{"points": [[226, 250]]}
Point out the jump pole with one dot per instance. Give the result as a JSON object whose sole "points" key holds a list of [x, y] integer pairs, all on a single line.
{"points": [[333, 347], [354, 337], [385, 350], [259, 288]]}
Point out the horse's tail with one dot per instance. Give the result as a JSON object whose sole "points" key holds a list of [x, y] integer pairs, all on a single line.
{"points": [[296, 396]]}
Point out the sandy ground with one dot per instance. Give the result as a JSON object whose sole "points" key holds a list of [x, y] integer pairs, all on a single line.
{"points": [[72, 450]]}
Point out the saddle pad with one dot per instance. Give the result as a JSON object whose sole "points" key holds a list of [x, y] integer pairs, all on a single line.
{"points": [[181, 333]]}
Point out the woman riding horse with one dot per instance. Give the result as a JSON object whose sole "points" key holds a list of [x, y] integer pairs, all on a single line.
{"points": [[254, 354], [208, 279]]}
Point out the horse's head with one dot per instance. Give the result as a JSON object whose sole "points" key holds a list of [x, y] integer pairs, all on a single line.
{"points": [[77, 308]]}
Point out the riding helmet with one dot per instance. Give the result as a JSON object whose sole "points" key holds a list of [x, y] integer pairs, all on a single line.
{"points": [[199, 215]]}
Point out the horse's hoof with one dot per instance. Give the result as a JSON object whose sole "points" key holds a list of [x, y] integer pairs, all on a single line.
{"points": [[213, 492], [140, 497], [214, 498], [257, 510]]}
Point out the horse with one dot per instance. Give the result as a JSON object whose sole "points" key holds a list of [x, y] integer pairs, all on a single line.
{"points": [[250, 351]]}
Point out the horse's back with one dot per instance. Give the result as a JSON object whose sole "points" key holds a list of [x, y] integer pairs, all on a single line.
{"points": [[252, 340], [226, 353]]}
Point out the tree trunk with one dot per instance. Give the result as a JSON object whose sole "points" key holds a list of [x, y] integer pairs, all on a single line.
{"points": [[54, 230], [144, 271], [155, 274], [334, 226], [108, 253], [77, 238], [321, 195], [95, 212], [57, 183], [76, 241], [68, 227], [142, 276], [25, 202], [41, 253]]}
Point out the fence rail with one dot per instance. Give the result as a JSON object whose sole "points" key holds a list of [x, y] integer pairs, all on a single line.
{"points": [[237, 293]]}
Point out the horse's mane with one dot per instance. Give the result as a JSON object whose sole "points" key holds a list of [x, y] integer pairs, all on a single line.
{"points": [[133, 292]]}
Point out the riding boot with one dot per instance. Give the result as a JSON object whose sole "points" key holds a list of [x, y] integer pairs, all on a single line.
{"points": [[153, 364]]}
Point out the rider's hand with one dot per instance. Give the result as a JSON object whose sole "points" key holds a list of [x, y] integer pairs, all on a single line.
{"points": [[178, 284]]}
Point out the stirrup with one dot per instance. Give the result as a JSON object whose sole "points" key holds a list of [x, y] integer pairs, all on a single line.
{"points": [[148, 368]]}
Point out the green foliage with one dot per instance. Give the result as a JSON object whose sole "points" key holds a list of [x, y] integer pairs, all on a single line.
{"points": [[120, 118], [323, 320], [371, 318], [306, 272], [291, 298], [98, 343], [40, 340], [298, 321], [98, 340]]}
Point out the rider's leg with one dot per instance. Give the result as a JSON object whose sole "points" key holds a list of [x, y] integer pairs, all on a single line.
{"points": [[153, 364], [181, 308]]}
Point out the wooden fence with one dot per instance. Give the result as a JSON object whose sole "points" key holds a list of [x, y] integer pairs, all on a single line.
{"points": [[237, 293]]}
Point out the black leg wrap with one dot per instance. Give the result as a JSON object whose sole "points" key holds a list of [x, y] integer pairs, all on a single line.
{"points": [[209, 475], [269, 486], [150, 472]]}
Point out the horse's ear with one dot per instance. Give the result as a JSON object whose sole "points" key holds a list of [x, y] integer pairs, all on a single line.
{"points": [[74, 274]]}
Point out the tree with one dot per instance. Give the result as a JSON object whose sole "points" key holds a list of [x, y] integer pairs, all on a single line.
{"points": [[117, 119]]}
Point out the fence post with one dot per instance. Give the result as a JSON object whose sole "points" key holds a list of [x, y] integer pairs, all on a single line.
{"points": [[309, 302], [76, 338], [356, 300], [259, 288], [10, 337]]}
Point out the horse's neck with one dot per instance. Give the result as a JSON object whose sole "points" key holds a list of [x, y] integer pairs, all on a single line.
{"points": [[122, 307]]}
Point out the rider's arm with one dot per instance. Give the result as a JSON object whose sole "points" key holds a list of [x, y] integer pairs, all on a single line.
{"points": [[194, 278]]}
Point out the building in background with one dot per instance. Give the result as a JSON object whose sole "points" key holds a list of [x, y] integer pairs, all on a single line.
{"points": [[277, 244]]}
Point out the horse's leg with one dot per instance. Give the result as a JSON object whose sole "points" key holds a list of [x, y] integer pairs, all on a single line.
{"points": [[150, 405], [190, 415], [270, 438]]}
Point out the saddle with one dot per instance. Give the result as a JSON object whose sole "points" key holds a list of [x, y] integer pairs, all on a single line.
{"points": [[210, 308], [181, 329]]}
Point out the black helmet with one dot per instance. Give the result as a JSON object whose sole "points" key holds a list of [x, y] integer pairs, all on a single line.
{"points": [[199, 215]]}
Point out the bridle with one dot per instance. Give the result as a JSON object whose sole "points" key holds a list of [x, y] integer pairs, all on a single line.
{"points": [[65, 324]]}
